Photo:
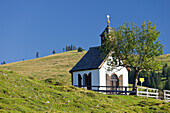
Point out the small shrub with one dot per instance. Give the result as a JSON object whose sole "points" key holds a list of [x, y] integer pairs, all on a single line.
{"points": [[110, 96], [31, 78], [54, 81], [11, 72], [90, 94], [80, 49]]}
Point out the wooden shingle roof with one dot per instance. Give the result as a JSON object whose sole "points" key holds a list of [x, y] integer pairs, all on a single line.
{"points": [[91, 60]]}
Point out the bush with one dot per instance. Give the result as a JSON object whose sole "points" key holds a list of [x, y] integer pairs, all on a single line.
{"points": [[54, 81], [80, 49]]}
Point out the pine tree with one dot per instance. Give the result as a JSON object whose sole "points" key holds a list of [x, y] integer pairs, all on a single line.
{"points": [[149, 80], [71, 48], [66, 48], [153, 83], [164, 70], [168, 73], [53, 51], [37, 54], [80, 49], [157, 80], [131, 77], [74, 47], [167, 85]]}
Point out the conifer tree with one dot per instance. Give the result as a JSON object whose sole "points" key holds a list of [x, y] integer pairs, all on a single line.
{"points": [[153, 85], [167, 85], [53, 51], [164, 70], [66, 48], [80, 49], [37, 54], [149, 80]]}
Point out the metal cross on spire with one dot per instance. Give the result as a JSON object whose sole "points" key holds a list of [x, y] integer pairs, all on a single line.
{"points": [[108, 19]]}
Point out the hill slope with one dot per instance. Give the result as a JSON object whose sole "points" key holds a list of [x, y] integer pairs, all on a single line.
{"points": [[164, 58], [54, 66], [21, 94], [57, 65]]}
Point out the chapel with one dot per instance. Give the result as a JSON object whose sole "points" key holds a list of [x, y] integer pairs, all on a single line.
{"points": [[92, 70]]}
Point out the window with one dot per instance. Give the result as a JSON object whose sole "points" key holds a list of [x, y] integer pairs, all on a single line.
{"points": [[79, 80]]}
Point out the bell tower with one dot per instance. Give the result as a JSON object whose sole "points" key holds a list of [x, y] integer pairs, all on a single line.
{"points": [[107, 30]]}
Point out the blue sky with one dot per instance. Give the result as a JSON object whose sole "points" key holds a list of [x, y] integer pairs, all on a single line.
{"points": [[28, 26]]}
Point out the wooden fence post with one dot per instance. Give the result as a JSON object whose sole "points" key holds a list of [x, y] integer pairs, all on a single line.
{"points": [[125, 90], [147, 93], [116, 90], [164, 95], [157, 94]]}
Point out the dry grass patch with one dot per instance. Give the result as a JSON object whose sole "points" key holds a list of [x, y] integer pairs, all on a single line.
{"points": [[57, 65]]}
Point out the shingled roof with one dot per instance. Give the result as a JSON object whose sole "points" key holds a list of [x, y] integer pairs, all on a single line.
{"points": [[91, 60]]}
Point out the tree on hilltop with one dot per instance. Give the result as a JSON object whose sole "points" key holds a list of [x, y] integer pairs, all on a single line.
{"points": [[53, 51], [37, 54], [80, 49], [134, 47]]}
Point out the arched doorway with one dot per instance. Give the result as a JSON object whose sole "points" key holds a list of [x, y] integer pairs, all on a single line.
{"points": [[114, 82], [79, 80], [89, 81], [85, 79]]}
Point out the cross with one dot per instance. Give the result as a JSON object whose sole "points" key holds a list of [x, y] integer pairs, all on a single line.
{"points": [[108, 19]]}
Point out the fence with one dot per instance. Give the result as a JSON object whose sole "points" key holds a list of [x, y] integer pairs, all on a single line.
{"points": [[166, 95], [147, 92], [124, 90]]}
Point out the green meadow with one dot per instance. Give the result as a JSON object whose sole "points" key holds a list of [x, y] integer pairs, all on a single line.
{"points": [[25, 94], [43, 85]]}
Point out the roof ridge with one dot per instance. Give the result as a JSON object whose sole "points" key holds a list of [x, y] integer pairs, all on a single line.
{"points": [[94, 47]]}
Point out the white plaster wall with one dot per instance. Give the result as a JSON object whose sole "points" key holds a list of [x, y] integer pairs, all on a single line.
{"points": [[102, 78], [118, 70], [94, 77]]}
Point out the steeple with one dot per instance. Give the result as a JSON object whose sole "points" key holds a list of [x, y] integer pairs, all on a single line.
{"points": [[107, 30]]}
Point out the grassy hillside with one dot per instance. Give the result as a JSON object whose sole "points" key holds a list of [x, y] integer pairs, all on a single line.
{"points": [[164, 59], [54, 66], [22, 94], [57, 65]]}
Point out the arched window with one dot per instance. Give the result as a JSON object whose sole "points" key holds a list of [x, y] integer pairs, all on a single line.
{"points": [[114, 77], [89, 81], [79, 80], [115, 80], [85, 79]]}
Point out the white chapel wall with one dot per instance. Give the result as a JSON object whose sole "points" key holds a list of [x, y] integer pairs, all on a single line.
{"points": [[120, 70], [94, 77]]}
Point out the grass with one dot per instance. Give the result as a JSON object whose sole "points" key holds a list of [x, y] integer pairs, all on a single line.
{"points": [[25, 94], [164, 59], [52, 66], [43, 85]]}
